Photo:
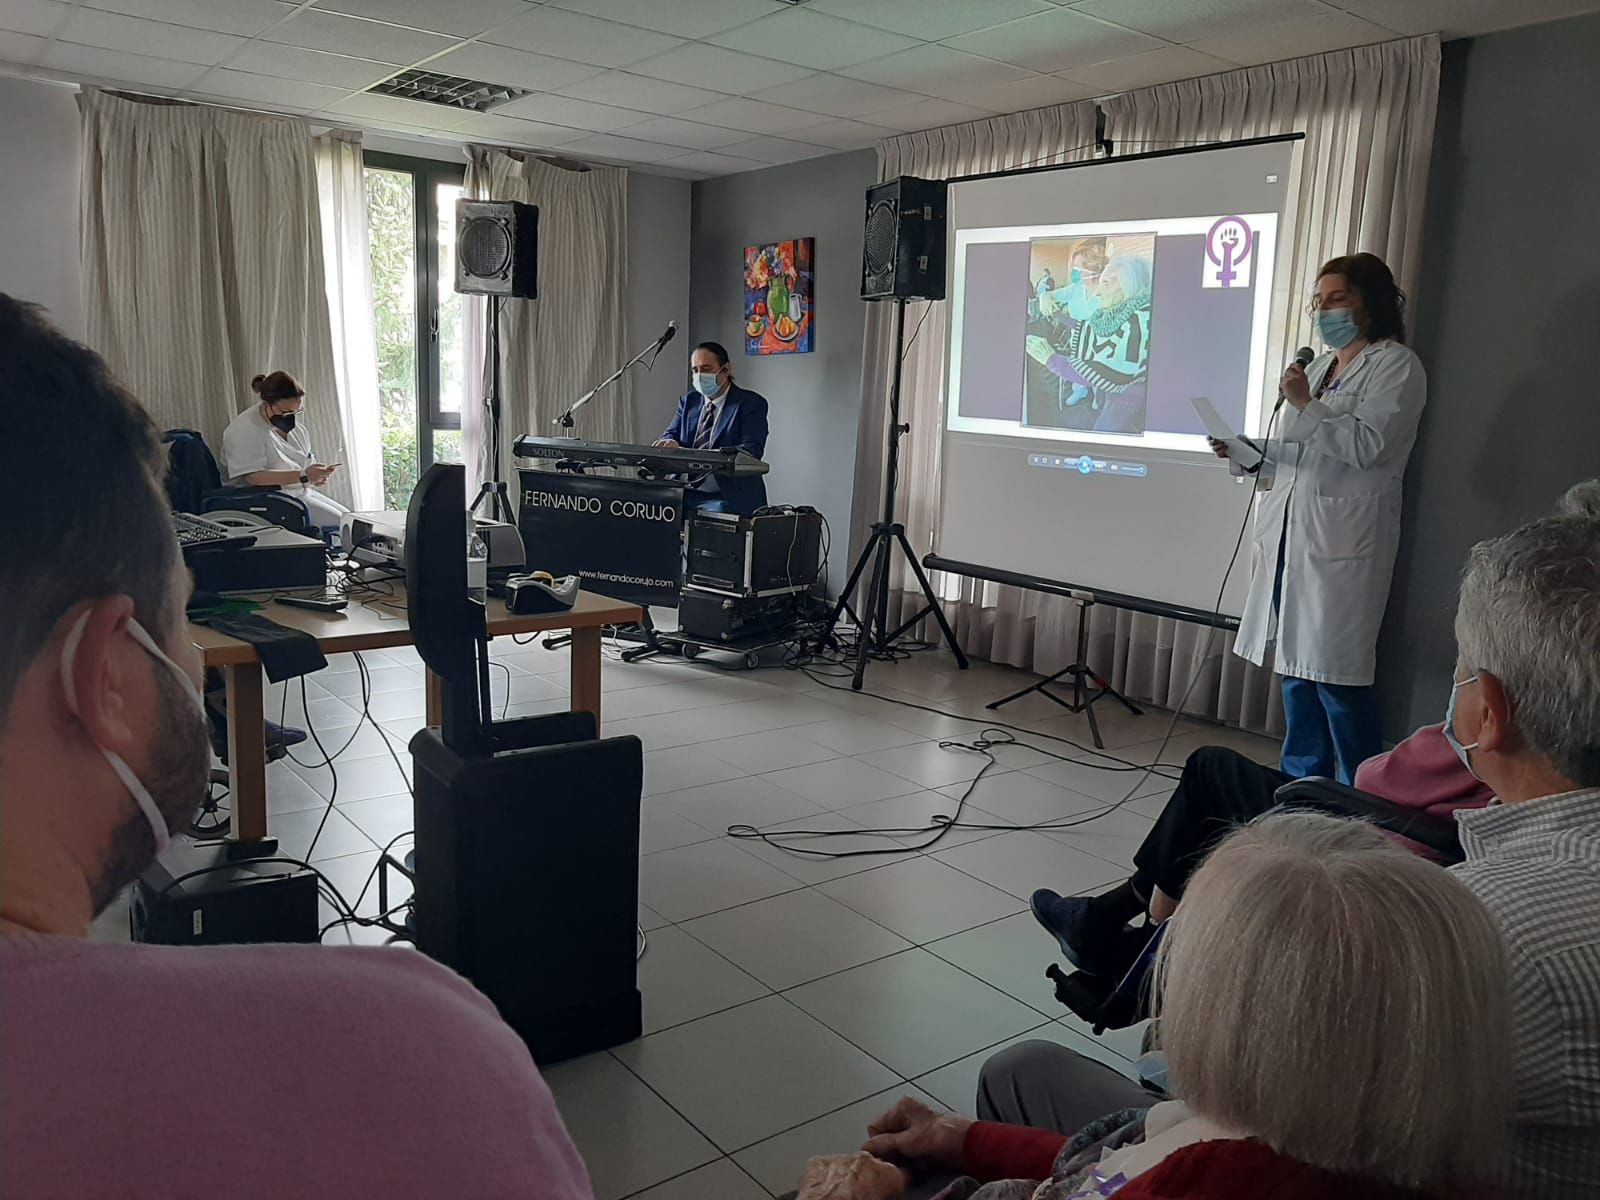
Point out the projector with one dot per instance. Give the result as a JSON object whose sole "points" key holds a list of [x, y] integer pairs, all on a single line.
{"points": [[375, 539]]}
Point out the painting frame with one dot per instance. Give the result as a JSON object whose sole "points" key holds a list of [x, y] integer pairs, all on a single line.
{"points": [[780, 275]]}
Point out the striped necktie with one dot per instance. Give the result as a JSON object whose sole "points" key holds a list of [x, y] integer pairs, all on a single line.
{"points": [[708, 422]]}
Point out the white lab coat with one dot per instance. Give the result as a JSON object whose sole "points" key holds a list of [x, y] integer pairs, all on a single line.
{"points": [[251, 443], [1336, 479]]}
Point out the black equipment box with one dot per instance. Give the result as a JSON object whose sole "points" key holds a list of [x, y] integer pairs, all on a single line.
{"points": [[769, 554], [708, 616], [244, 901], [278, 561]]}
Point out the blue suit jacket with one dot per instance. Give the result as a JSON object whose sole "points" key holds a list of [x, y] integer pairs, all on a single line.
{"points": [[742, 423]]}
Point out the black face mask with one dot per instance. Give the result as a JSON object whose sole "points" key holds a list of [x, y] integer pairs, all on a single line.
{"points": [[284, 421]]}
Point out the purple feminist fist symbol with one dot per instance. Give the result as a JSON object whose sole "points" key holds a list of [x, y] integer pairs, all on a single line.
{"points": [[1228, 245]]}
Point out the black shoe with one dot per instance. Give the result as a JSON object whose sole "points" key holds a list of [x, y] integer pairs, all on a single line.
{"points": [[1090, 941]]}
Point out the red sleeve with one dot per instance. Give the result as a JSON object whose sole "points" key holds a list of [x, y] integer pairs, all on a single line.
{"points": [[994, 1151]]}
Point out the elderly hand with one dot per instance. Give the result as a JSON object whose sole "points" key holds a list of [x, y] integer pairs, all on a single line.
{"points": [[1040, 349], [914, 1134], [1048, 304], [667, 444], [856, 1176], [318, 473], [1295, 386]]}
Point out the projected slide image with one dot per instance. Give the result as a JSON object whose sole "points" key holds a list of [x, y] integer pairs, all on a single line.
{"points": [[1087, 346]]}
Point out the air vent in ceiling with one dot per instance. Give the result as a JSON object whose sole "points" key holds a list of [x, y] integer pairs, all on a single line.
{"points": [[469, 95]]}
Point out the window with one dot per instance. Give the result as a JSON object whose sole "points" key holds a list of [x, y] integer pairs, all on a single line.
{"points": [[422, 369]]}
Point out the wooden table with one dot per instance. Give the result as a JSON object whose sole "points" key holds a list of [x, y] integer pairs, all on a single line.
{"points": [[376, 626]]}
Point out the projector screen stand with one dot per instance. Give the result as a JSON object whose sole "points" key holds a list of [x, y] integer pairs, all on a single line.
{"points": [[1087, 686]]}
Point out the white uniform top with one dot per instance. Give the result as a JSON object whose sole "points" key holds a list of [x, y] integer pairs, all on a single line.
{"points": [[251, 443], [1334, 507]]}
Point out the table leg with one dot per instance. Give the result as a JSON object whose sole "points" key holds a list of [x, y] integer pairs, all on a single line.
{"points": [[586, 673], [247, 751], [434, 691]]}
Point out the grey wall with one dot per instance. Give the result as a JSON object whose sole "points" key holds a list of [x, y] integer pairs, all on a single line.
{"points": [[658, 292], [1507, 313], [39, 198], [815, 397]]}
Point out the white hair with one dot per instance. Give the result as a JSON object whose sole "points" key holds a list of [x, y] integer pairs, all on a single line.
{"points": [[1580, 500], [1131, 271], [1529, 614], [1343, 1001]]}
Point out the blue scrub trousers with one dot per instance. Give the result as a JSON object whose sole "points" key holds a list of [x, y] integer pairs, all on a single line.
{"points": [[711, 502], [1330, 729]]}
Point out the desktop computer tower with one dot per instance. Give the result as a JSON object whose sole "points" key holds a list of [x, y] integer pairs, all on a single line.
{"points": [[527, 877]]}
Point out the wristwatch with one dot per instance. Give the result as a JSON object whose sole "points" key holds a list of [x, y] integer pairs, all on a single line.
{"points": [[304, 478]]}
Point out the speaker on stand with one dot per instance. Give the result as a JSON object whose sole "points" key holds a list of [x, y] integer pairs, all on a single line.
{"points": [[497, 255], [903, 258]]}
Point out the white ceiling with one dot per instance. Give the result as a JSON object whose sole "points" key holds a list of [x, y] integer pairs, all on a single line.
{"points": [[697, 88]]}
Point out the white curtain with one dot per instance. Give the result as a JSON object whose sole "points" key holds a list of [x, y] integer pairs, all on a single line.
{"points": [[347, 268], [555, 348], [202, 259], [1368, 119]]}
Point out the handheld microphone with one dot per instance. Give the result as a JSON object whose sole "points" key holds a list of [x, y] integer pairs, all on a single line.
{"points": [[672, 331], [1302, 358]]}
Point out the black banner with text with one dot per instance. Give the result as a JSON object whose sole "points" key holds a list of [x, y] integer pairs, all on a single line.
{"points": [[623, 537]]}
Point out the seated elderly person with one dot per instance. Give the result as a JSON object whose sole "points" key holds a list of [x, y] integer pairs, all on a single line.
{"points": [[366, 1071], [1221, 788], [1314, 989], [1524, 717]]}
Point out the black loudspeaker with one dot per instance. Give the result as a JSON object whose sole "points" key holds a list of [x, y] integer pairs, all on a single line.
{"points": [[497, 248], [902, 255]]}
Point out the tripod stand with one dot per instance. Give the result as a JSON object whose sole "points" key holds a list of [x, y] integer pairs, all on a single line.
{"points": [[493, 489], [873, 633]]}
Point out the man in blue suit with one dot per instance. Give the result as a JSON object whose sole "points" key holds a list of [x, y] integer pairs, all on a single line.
{"points": [[720, 414]]}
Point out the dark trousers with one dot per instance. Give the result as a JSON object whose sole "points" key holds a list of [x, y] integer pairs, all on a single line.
{"points": [[1330, 729], [1220, 789]]}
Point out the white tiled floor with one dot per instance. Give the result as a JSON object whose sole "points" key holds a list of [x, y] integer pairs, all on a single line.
{"points": [[789, 999]]}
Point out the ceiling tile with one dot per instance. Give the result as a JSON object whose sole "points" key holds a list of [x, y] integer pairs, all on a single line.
{"points": [[695, 19], [812, 39], [775, 150], [136, 35], [1196, 19], [704, 163], [310, 66], [842, 134], [1294, 39], [38, 17], [689, 134], [936, 71], [657, 96], [1462, 18], [19, 47], [1055, 41], [116, 66], [696, 63], [836, 96], [464, 18], [752, 116], [416, 113], [576, 114], [563, 34], [1036, 91], [273, 89], [520, 68], [931, 20], [1143, 70], [624, 149], [244, 17], [340, 34], [928, 114], [514, 131]]}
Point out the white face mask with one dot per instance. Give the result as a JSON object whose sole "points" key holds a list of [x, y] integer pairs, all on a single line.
{"points": [[1450, 725], [140, 793]]}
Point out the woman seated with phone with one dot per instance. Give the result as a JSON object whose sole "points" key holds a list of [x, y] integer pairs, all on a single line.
{"points": [[264, 446]]}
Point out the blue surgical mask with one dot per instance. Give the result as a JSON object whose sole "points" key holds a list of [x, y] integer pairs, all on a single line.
{"points": [[1337, 327], [706, 384], [1450, 725]]}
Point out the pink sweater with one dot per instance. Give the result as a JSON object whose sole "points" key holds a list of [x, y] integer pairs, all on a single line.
{"points": [[264, 1071], [1423, 772]]}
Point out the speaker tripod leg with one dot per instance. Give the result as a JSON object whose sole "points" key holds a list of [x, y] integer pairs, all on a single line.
{"points": [[932, 599], [846, 592], [873, 606]]}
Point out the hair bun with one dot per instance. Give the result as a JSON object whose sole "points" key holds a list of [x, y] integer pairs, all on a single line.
{"points": [[255, 384]]}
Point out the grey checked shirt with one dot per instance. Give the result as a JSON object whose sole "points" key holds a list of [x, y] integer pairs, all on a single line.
{"points": [[1536, 867]]}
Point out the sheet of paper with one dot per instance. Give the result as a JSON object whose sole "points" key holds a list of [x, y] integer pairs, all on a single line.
{"points": [[1239, 450]]}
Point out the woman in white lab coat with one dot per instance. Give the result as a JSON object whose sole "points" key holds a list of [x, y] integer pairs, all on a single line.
{"points": [[1328, 518], [266, 447]]}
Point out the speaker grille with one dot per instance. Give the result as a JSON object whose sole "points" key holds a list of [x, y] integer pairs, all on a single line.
{"points": [[883, 220], [484, 248]]}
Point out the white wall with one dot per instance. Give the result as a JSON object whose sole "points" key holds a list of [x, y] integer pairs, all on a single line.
{"points": [[39, 198], [658, 292]]}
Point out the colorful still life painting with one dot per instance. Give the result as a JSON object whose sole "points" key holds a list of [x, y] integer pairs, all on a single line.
{"points": [[779, 295]]}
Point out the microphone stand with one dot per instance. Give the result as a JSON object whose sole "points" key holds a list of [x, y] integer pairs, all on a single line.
{"points": [[565, 419]]}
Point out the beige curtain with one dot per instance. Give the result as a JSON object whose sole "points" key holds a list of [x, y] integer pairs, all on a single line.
{"points": [[202, 260], [1368, 119], [555, 348]]}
